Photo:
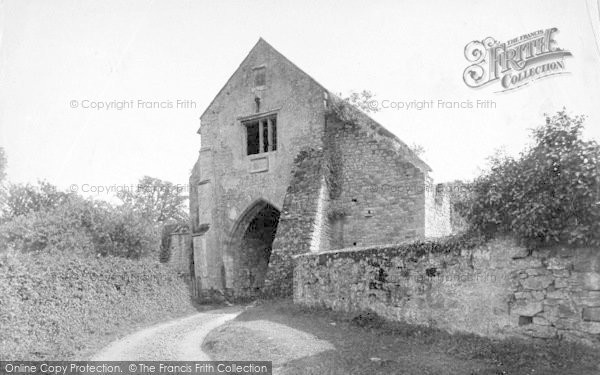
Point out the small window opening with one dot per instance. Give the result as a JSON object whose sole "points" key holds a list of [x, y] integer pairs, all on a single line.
{"points": [[252, 130], [274, 132], [265, 136], [261, 135]]}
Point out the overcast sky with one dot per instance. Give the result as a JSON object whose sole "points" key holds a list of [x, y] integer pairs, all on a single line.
{"points": [[55, 52]]}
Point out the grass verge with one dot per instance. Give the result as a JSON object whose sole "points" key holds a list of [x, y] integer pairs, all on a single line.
{"points": [[302, 340]]}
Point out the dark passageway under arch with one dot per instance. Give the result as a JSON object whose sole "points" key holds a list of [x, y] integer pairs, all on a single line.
{"points": [[252, 244]]}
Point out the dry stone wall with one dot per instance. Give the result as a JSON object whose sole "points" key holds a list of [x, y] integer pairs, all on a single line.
{"points": [[497, 289]]}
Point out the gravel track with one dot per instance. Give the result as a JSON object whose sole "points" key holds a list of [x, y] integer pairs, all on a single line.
{"points": [[177, 340]]}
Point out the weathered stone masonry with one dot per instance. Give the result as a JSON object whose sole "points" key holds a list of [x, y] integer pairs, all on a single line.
{"points": [[279, 174], [227, 184], [495, 290], [296, 230], [381, 197]]}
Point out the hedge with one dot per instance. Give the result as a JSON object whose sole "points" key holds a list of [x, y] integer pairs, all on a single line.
{"points": [[54, 306]]}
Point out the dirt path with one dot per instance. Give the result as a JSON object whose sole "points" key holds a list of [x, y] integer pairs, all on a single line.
{"points": [[179, 339]]}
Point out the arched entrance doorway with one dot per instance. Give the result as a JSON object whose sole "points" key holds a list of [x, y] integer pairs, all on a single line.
{"points": [[251, 245]]}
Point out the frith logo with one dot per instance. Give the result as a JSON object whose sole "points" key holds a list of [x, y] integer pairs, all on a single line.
{"points": [[514, 63]]}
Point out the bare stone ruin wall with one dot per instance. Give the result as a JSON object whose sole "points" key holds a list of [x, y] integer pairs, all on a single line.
{"points": [[494, 290], [437, 211], [356, 191], [381, 195], [296, 229], [180, 248]]}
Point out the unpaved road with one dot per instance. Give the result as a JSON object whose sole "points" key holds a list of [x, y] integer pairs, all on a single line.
{"points": [[177, 340]]}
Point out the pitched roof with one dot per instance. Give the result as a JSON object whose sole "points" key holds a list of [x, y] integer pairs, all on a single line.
{"points": [[366, 121]]}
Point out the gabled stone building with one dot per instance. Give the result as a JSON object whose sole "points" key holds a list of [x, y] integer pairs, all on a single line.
{"points": [[286, 168]]}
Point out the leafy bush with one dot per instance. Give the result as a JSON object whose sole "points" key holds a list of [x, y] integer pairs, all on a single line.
{"points": [[121, 231], [53, 307], [345, 108], [71, 223], [549, 194]]}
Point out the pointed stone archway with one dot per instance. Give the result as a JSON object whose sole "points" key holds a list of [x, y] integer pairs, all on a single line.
{"points": [[250, 245]]}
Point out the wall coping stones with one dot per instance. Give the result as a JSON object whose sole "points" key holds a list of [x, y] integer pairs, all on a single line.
{"points": [[411, 250], [353, 249]]}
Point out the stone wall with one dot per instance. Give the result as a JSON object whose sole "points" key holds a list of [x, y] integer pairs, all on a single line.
{"points": [[296, 230], [379, 194], [494, 290], [180, 250], [437, 211]]}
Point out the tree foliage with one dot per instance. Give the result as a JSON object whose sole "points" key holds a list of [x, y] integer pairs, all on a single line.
{"points": [[363, 100], [2, 165], [3, 192], [25, 198], [418, 149], [40, 217], [549, 194], [158, 200], [81, 226], [344, 107]]}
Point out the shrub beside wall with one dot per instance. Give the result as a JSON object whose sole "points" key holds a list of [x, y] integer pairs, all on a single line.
{"points": [[54, 306], [549, 194]]}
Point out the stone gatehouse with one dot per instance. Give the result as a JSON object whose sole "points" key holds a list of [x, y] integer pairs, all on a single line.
{"points": [[286, 168]]}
